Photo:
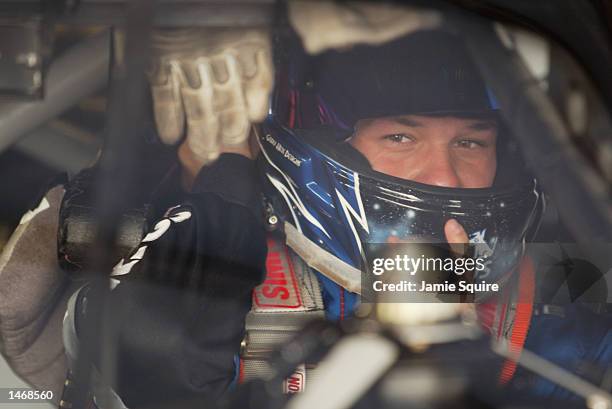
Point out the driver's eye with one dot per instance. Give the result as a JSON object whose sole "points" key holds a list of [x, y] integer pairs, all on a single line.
{"points": [[398, 138], [471, 144]]}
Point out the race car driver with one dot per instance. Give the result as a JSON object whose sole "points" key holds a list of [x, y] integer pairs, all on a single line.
{"points": [[409, 121], [224, 256]]}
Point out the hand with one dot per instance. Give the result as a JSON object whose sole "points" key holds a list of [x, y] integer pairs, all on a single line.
{"points": [[458, 241], [33, 297], [217, 82], [324, 24], [427, 313], [456, 236], [192, 164], [454, 233]]}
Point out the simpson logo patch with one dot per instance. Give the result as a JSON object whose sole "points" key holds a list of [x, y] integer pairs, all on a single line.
{"points": [[280, 289]]}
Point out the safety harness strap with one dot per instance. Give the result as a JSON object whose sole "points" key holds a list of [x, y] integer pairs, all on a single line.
{"points": [[289, 297], [521, 319]]}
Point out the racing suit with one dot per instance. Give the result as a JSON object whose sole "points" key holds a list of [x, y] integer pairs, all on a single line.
{"points": [[181, 299]]}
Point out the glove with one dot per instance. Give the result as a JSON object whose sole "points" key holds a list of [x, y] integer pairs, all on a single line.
{"points": [[33, 298], [216, 81], [323, 25]]}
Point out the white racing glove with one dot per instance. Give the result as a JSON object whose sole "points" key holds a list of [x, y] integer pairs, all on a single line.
{"points": [[213, 82], [325, 24]]}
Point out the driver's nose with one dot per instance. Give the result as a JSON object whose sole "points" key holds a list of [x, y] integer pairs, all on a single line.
{"points": [[438, 169]]}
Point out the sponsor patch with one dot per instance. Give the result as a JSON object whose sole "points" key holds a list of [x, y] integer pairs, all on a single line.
{"points": [[280, 288]]}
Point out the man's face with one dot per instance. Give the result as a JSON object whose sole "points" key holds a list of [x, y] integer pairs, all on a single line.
{"points": [[435, 150]]}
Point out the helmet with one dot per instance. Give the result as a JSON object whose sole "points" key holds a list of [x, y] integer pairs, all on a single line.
{"points": [[334, 203]]}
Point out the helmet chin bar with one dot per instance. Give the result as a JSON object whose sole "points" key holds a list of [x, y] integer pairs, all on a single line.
{"points": [[349, 277], [323, 261], [344, 274]]}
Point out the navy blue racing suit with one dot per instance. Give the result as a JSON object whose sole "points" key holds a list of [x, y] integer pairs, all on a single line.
{"points": [[179, 305]]}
